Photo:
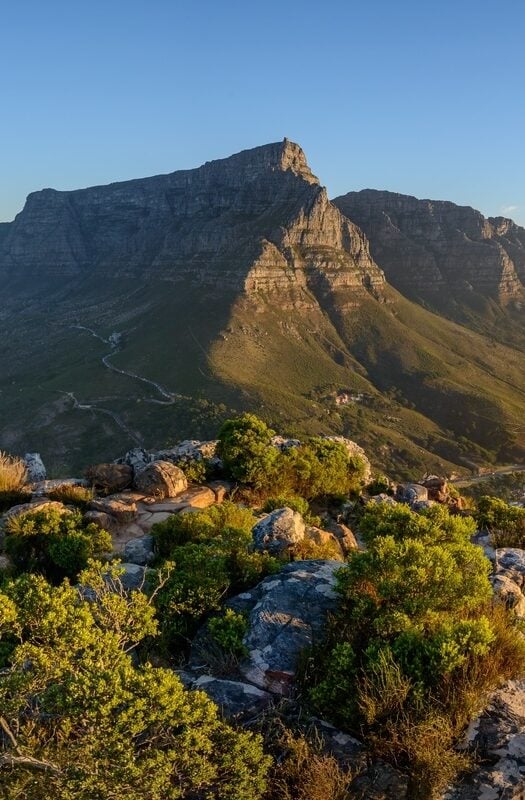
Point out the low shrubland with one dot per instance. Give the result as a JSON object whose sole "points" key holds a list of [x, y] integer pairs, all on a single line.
{"points": [[53, 542], [318, 468], [88, 721], [416, 642], [212, 556]]}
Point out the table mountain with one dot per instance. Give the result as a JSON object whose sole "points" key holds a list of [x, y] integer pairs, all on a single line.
{"points": [[146, 311]]}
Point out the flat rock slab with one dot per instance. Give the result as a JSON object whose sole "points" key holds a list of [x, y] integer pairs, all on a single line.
{"points": [[237, 700], [287, 612]]}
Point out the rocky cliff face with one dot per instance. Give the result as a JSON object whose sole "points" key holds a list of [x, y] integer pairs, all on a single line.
{"points": [[257, 220], [433, 248]]}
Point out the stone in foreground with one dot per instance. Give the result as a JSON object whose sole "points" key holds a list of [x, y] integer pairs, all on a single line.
{"points": [[161, 479], [287, 612], [279, 531]]}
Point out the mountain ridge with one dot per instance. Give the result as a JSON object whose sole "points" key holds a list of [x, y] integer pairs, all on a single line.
{"points": [[237, 285]]}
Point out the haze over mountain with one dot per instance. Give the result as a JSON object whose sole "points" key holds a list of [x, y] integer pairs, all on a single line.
{"points": [[144, 311]]}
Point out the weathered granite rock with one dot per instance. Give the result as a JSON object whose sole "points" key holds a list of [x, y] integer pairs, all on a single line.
{"points": [[102, 520], [136, 459], [111, 477], [139, 551], [35, 468], [324, 539], [279, 531], [38, 505], [237, 700], [411, 493], [497, 738], [161, 479], [122, 508], [42, 488], [133, 576], [508, 578], [287, 612], [188, 450], [344, 536]]}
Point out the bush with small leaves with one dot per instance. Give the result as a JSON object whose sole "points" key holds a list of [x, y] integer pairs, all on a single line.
{"points": [[86, 722], [54, 542], [246, 451], [229, 631]]}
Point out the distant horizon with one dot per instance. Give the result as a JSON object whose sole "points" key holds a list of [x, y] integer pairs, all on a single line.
{"points": [[416, 98], [331, 195]]}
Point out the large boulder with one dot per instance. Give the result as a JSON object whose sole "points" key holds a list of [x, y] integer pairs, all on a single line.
{"points": [[39, 505], [412, 493], [279, 531], [161, 479], [35, 468], [497, 738], [286, 612], [110, 477]]}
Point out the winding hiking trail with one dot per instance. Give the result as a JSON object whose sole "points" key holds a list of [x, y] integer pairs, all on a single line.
{"points": [[114, 343]]}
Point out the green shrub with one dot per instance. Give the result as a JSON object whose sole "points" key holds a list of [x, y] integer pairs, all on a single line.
{"points": [[319, 468], [294, 502], [55, 544], [506, 523], [195, 470], [204, 575], [415, 643], [246, 451], [229, 631], [90, 723], [201, 526], [379, 485]]}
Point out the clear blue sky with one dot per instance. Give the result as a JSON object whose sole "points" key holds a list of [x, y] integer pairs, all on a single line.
{"points": [[424, 97]]}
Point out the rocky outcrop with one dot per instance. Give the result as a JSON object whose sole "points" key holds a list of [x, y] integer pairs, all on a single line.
{"points": [[497, 738], [111, 477], [436, 250], [287, 612], [35, 467], [508, 578]]}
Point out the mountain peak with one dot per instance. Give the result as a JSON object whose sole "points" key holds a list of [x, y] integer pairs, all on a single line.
{"points": [[284, 156]]}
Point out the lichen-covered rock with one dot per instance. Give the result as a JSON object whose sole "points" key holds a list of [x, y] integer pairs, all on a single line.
{"points": [[330, 543], [237, 700], [35, 468], [287, 612], [111, 477], [133, 577], [279, 531], [497, 737], [137, 458], [344, 536], [161, 479], [188, 450], [508, 578], [412, 493], [139, 551]]}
